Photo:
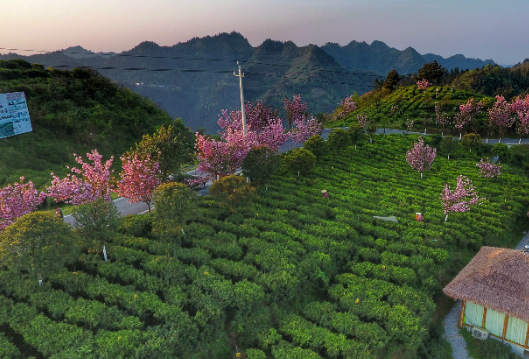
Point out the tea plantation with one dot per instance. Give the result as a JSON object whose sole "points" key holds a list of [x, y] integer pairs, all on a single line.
{"points": [[291, 275]]}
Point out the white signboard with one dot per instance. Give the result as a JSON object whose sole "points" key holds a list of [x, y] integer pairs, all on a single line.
{"points": [[14, 114]]}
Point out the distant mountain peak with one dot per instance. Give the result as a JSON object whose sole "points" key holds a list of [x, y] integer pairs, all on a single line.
{"points": [[147, 45], [76, 48], [77, 52], [380, 58], [379, 45]]}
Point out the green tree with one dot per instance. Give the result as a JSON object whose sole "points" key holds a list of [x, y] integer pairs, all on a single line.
{"points": [[432, 72], [371, 129], [338, 139], [39, 243], [448, 145], [171, 146], [96, 221], [356, 133], [260, 164], [300, 160], [392, 80], [233, 191], [502, 151], [317, 145], [471, 141], [174, 204]]}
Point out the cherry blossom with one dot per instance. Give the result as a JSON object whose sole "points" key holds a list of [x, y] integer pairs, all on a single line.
{"points": [[421, 157], [460, 199], [488, 169], [17, 200], [139, 179], [423, 84], [85, 184]]}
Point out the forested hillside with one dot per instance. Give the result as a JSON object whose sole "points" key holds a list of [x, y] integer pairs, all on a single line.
{"points": [[194, 80], [400, 102], [71, 112]]}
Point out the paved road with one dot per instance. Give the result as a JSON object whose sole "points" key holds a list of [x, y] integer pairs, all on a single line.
{"points": [[123, 206]]}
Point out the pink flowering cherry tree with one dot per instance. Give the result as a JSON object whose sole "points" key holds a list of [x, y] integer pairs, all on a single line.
{"points": [[295, 109], [139, 179], [488, 169], [86, 184], [368, 125], [17, 200], [304, 129], [362, 120], [441, 118], [466, 115], [423, 84], [302, 124], [500, 115], [218, 157], [346, 107], [520, 109], [223, 157], [461, 199], [420, 157]]}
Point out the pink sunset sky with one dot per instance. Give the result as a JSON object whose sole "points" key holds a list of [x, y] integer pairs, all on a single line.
{"points": [[486, 29]]}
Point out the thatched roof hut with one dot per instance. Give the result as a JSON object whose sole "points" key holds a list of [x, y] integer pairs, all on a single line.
{"points": [[496, 278]]}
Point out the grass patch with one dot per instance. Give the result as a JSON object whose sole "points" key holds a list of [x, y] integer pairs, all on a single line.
{"points": [[487, 349]]}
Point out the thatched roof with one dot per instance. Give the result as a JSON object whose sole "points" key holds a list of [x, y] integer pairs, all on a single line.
{"points": [[497, 278]]}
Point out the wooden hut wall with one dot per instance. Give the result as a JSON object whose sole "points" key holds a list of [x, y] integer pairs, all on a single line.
{"points": [[498, 324]]}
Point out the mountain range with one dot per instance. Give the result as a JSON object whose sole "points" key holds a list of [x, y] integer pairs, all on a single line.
{"points": [[194, 80]]}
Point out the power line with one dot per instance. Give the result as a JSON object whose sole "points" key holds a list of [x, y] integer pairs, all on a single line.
{"points": [[207, 59], [203, 71], [320, 70], [138, 69]]}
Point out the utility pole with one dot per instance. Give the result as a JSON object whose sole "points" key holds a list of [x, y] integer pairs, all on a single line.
{"points": [[240, 75]]}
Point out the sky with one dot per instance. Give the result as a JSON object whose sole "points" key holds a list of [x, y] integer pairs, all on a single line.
{"points": [[485, 29]]}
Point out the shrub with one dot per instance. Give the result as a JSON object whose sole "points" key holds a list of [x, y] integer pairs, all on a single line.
{"points": [[175, 204], [38, 243], [9, 350], [96, 220], [520, 155], [487, 349], [117, 345], [356, 133], [138, 226], [339, 139], [317, 145], [233, 191], [502, 151], [300, 161], [449, 145], [255, 354], [471, 141], [260, 164], [234, 270]]}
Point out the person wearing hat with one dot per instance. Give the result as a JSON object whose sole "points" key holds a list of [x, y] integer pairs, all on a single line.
{"points": [[58, 213]]}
